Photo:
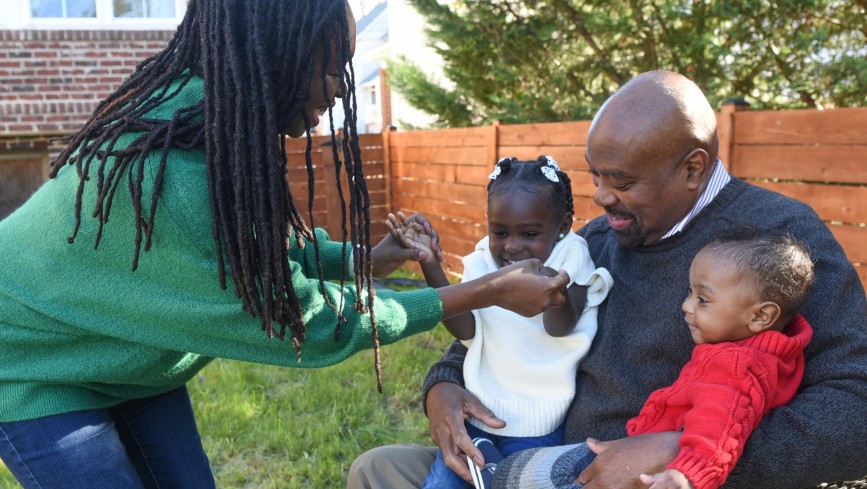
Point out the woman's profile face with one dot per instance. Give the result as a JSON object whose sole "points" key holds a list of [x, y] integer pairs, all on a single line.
{"points": [[322, 95]]}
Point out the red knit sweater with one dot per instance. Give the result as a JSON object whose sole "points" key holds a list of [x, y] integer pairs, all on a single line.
{"points": [[721, 395]]}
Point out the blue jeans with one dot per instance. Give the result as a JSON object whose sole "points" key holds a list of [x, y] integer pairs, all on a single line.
{"points": [[150, 443], [442, 477]]}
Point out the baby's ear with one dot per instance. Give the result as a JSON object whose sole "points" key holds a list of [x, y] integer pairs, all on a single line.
{"points": [[764, 316]]}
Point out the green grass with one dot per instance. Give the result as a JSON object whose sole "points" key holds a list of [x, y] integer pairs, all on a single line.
{"points": [[273, 427]]}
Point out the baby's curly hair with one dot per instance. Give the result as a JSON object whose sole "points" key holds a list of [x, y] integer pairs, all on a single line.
{"points": [[783, 266]]}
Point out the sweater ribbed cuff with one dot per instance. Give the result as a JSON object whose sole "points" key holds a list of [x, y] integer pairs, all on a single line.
{"points": [[440, 372]]}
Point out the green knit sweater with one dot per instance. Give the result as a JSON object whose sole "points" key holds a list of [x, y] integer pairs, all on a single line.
{"points": [[80, 330]]}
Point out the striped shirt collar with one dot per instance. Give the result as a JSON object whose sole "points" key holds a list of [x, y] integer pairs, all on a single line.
{"points": [[718, 179]]}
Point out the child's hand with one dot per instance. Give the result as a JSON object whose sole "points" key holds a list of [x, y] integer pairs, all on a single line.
{"points": [[667, 479], [415, 232], [396, 248]]}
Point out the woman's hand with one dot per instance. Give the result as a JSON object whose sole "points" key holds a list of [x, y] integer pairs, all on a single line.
{"points": [[619, 463], [527, 287], [448, 407], [395, 248]]}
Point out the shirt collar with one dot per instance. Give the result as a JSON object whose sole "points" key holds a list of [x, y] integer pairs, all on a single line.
{"points": [[718, 179]]}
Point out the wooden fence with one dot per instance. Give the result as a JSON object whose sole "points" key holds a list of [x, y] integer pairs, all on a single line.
{"points": [[819, 157]]}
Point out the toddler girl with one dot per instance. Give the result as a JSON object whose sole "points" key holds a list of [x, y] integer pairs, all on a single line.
{"points": [[522, 368]]}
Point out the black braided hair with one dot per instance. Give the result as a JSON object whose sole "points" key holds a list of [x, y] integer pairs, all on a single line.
{"points": [[256, 59], [528, 176]]}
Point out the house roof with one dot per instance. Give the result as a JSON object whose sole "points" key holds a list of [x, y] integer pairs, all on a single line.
{"points": [[373, 14]]}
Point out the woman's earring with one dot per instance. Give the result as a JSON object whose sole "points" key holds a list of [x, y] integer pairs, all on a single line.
{"points": [[562, 235]]}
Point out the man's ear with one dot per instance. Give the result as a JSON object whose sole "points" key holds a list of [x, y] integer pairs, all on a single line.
{"points": [[697, 166], [764, 316]]}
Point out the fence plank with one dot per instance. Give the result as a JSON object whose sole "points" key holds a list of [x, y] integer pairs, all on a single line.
{"points": [[568, 157], [853, 239], [813, 163], [801, 127], [831, 202], [471, 136], [440, 191], [467, 155], [573, 133]]}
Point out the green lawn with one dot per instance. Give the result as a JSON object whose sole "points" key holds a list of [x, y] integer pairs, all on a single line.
{"points": [[272, 427]]}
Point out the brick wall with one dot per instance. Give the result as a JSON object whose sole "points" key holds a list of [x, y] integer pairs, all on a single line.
{"points": [[50, 83]]}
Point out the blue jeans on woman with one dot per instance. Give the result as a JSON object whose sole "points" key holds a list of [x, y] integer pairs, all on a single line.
{"points": [[442, 477], [150, 443]]}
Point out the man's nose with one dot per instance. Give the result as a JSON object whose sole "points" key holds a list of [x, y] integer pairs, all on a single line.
{"points": [[603, 196]]}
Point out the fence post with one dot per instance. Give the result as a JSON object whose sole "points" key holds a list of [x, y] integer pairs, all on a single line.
{"points": [[386, 161], [493, 144], [726, 130]]}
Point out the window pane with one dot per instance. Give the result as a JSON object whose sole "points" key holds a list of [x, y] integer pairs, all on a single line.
{"points": [[46, 8], [161, 8], [55, 8], [128, 8], [80, 8], [144, 8]]}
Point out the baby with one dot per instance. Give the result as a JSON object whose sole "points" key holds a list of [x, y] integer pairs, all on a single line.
{"points": [[745, 291]]}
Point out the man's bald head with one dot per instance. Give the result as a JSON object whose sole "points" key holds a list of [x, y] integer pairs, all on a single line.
{"points": [[662, 112]]}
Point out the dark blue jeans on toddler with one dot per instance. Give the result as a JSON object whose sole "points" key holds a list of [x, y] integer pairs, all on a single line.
{"points": [[442, 477]]}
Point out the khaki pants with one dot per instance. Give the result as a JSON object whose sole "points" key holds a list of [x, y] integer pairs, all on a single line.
{"points": [[392, 467]]}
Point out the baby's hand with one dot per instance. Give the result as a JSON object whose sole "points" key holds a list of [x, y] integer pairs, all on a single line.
{"points": [[667, 479], [415, 232]]}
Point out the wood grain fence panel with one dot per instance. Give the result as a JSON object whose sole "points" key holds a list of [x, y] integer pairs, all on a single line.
{"points": [[853, 239], [445, 209], [461, 155], [440, 191], [586, 209], [801, 127], [582, 183], [846, 163], [461, 137], [831, 202], [548, 134], [569, 158]]}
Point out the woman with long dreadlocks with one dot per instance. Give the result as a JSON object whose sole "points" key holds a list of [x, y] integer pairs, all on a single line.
{"points": [[103, 322]]}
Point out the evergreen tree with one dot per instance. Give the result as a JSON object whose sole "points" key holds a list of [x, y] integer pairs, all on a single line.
{"points": [[553, 60]]}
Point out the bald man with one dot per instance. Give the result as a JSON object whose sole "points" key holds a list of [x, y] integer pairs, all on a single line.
{"points": [[652, 152]]}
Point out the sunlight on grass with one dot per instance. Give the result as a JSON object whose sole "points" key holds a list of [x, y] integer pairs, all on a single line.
{"points": [[273, 427]]}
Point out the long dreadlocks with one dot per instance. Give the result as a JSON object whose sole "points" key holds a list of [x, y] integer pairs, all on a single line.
{"points": [[257, 60]]}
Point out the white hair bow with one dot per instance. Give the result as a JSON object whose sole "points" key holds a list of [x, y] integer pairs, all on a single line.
{"points": [[494, 174], [550, 169]]}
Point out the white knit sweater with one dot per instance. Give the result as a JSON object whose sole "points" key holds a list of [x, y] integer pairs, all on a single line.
{"points": [[513, 366]]}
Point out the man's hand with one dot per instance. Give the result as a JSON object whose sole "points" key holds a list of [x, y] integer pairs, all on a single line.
{"points": [[667, 479], [619, 463], [448, 407]]}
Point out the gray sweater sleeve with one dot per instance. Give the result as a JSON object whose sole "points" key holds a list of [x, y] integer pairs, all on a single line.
{"points": [[450, 368]]}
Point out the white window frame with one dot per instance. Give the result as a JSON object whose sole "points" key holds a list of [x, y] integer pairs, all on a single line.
{"points": [[16, 14]]}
